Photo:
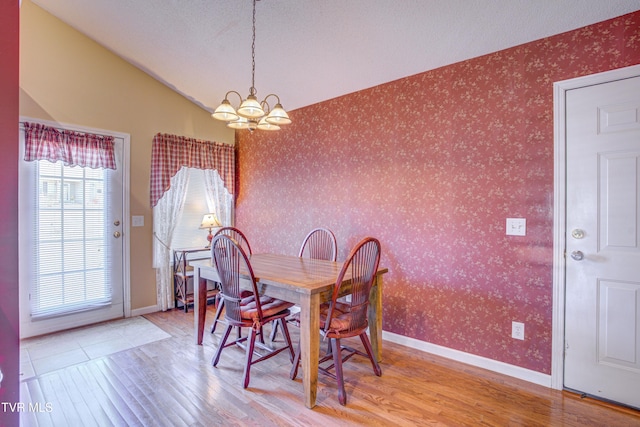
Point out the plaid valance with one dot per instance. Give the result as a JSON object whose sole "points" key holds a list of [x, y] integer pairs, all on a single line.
{"points": [[171, 152], [72, 148]]}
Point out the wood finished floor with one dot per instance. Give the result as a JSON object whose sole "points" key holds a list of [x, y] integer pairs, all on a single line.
{"points": [[171, 383]]}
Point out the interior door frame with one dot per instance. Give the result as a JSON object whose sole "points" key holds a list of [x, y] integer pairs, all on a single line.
{"points": [[126, 226], [559, 207]]}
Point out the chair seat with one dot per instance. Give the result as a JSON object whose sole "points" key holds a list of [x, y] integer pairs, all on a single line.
{"points": [[340, 322], [270, 307], [341, 317]]}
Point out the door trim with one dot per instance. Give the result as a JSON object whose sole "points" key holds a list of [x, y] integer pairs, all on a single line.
{"points": [[559, 206], [126, 149]]}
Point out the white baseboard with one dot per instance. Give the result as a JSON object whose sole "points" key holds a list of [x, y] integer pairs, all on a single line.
{"points": [[144, 310], [471, 359]]}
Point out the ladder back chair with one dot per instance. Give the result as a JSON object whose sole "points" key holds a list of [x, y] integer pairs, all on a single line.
{"points": [[251, 311], [340, 319]]}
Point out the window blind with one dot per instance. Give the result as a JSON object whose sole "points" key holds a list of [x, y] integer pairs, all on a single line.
{"points": [[72, 262]]}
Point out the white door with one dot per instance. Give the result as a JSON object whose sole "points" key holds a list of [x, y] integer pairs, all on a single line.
{"points": [[72, 240], [602, 313]]}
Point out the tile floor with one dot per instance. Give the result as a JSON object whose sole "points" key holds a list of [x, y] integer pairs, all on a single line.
{"points": [[48, 353]]}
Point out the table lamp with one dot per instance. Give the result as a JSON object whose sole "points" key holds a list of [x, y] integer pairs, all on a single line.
{"points": [[210, 221]]}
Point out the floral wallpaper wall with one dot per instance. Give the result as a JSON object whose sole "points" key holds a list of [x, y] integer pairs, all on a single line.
{"points": [[432, 165]]}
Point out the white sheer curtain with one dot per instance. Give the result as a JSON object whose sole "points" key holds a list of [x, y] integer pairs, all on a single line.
{"points": [[166, 214], [219, 200]]}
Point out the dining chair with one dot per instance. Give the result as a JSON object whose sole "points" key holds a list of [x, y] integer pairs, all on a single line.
{"points": [[242, 311], [242, 241], [319, 243], [344, 318]]}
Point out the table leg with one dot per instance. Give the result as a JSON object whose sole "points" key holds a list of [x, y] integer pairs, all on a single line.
{"points": [[310, 346], [199, 304], [375, 318]]}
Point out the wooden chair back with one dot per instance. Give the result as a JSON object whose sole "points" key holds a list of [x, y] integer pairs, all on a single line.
{"points": [[232, 262], [320, 243], [239, 238], [360, 266], [236, 235]]}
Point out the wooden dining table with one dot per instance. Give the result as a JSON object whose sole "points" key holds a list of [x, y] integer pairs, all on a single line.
{"points": [[306, 283]]}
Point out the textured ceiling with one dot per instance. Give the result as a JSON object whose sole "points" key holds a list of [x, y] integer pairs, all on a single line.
{"points": [[309, 51]]}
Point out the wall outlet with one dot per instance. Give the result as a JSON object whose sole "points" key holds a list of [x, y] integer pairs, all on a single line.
{"points": [[516, 227], [517, 330]]}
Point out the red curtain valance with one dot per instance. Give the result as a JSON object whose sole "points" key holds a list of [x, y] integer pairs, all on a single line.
{"points": [[171, 152], [72, 148]]}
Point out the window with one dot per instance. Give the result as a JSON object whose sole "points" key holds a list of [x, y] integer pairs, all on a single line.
{"points": [[70, 259], [187, 233]]}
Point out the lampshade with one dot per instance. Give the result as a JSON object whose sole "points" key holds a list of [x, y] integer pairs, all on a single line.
{"points": [[278, 116], [239, 123], [210, 221], [225, 112], [250, 108], [263, 124]]}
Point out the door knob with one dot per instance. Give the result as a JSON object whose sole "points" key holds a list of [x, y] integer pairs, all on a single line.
{"points": [[116, 234], [577, 255], [577, 233]]}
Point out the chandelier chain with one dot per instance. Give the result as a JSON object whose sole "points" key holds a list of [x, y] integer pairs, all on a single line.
{"points": [[253, 53]]}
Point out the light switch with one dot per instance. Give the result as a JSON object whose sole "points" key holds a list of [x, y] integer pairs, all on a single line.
{"points": [[516, 227], [137, 221]]}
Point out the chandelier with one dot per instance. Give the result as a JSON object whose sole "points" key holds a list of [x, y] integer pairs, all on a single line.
{"points": [[252, 114]]}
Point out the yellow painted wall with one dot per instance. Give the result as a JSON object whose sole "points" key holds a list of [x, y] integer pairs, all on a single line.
{"points": [[68, 78]]}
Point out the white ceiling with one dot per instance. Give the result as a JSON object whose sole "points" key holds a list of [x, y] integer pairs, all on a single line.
{"points": [[309, 51]]}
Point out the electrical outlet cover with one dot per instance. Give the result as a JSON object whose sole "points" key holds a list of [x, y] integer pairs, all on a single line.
{"points": [[517, 330], [516, 227]]}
